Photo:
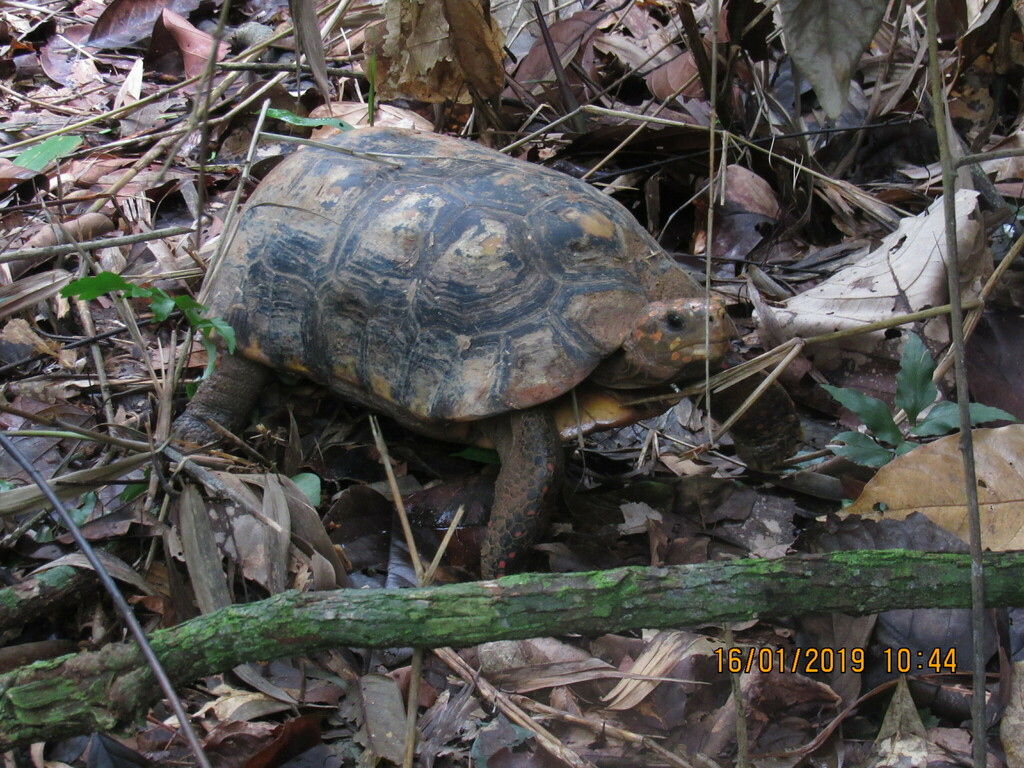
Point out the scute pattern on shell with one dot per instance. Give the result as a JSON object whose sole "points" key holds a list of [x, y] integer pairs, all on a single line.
{"points": [[459, 286]]}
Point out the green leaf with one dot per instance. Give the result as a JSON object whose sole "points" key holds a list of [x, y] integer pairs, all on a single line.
{"points": [[915, 390], [309, 484], [873, 412], [162, 305], [89, 288], [482, 455], [905, 447], [941, 420], [982, 414], [225, 331], [132, 491], [861, 449], [945, 418], [42, 154], [211, 359], [307, 122], [81, 514], [185, 303]]}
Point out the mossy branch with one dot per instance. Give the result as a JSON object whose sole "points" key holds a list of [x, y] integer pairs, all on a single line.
{"points": [[103, 689]]}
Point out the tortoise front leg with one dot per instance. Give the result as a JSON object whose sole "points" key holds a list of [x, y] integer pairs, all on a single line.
{"points": [[227, 397], [526, 488]]}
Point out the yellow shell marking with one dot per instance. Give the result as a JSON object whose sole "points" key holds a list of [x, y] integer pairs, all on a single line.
{"points": [[596, 225]]}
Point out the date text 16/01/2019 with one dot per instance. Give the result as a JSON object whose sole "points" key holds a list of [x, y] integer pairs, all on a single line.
{"points": [[828, 660]]}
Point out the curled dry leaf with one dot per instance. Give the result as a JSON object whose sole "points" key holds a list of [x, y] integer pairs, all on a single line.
{"points": [[196, 45], [904, 274], [124, 22], [29, 291], [20, 333], [665, 650], [571, 38], [310, 42], [678, 77], [930, 480], [477, 41], [421, 56]]}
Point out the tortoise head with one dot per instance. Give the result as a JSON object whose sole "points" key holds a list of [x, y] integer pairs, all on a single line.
{"points": [[669, 342]]}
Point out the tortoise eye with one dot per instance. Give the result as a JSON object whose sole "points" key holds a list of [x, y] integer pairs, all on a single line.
{"points": [[674, 321]]}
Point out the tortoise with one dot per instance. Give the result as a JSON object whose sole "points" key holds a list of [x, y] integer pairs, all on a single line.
{"points": [[460, 292]]}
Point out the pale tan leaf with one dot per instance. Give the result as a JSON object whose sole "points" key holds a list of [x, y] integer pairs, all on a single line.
{"points": [[30, 290], [930, 480], [356, 114], [905, 273], [665, 650], [18, 331]]}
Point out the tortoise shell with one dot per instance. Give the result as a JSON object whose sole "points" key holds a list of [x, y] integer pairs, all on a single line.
{"points": [[434, 279]]}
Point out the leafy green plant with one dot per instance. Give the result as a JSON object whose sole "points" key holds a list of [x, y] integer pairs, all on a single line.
{"points": [[162, 305], [916, 394]]}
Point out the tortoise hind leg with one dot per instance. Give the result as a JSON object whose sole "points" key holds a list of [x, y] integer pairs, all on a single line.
{"points": [[767, 434], [226, 397], [526, 488]]}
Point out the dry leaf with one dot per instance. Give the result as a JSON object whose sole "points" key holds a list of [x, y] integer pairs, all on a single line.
{"points": [[477, 42], [930, 480], [356, 114], [421, 57], [906, 273], [826, 41]]}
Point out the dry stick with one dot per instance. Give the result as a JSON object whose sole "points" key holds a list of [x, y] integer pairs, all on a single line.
{"points": [[545, 739], [90, 245], [85, 317], [416, 666], [603, 729], [941, 112], [742, 742]]}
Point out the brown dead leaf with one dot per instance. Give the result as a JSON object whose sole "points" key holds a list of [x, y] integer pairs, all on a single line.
{"points": [[418, 56], [18, 331], [310, 42], [677, 77], [202, 555], [194, 44], [930, 480], [127, 21], [571, 38], [12, 175], [477, 41]]}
